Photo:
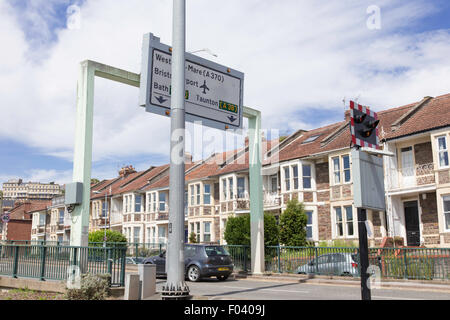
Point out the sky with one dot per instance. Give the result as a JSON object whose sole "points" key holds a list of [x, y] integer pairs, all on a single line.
{"points": [[303, 61]]}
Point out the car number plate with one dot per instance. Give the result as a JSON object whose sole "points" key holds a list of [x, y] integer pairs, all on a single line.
{"points": [[223, 269]]}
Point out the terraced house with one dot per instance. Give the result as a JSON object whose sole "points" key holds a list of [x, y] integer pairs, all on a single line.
{"points": [[314, 167]]}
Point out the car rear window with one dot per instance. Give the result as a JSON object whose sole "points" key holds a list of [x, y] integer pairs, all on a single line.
{"points": [[216, 251]]}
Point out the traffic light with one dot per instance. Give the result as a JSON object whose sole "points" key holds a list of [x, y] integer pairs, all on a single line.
{"points": [[364, 124]]}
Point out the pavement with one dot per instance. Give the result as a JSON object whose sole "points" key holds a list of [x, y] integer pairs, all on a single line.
{"points": [[301, 287]]}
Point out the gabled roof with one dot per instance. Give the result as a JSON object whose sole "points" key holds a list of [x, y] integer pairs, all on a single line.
{"points": [[433, 113]]}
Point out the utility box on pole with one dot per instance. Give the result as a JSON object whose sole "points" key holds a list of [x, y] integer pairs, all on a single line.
{"points": [[368, 181]]}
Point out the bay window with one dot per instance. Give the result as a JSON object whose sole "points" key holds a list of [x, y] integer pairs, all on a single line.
{"points": [[137, 203], [336, 170], [306, 176], [443, 152], [295, 176], [287, 179], [447, 212], [241, 187], [341, 170], [162, 201], [206, 194]]}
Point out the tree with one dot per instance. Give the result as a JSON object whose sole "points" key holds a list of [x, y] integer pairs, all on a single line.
{"points": [[293, 224], [94, 181], [111, 237], [237, 231], [192, 238]]}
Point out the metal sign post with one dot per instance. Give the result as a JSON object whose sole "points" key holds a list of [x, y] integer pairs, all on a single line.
{"points": [[175, 287], [368, 180]]}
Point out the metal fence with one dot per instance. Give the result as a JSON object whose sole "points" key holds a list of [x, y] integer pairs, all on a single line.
{"points": [[54, 262], [50, 261], [388, 263]]}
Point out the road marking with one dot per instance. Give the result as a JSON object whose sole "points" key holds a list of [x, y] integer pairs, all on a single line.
{"points": [[394, 298], [264, 289]]}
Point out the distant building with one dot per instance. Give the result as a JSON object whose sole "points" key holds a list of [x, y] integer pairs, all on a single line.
{"points": [[16, 190], [20, 224]]}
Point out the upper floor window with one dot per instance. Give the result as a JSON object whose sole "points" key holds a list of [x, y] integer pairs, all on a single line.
{"points": [[295, 176], [224, 189], [198, 194], [336, 170], [192, 195], [207, 194], [152, 202], [137, 203], [306, 176], [230, 187], [443, 152], [274, 183], [241, 187], [287, 179], [61, 216], [42, 218], [162, 201], [346, 165], [341, 169]]}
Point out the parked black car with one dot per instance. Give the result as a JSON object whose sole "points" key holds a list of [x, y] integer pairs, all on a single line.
{"points": [[201, 261]]}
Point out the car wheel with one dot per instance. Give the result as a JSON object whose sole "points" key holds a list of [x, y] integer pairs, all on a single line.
{"points": [[193, 273], [222, 278]]}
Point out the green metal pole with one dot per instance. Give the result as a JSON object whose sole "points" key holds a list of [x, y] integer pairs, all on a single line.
{"points": [[83, 152], [405, 260], [16, 261], [279, 258], [256, 191], [43, 254]]}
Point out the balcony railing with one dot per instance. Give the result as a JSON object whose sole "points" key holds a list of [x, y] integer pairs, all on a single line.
{"points": [[415, 176], [162, 216], [272, 199], [116, 217]]}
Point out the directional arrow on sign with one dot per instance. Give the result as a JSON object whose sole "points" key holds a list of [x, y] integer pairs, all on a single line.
{"points": [[161, 99], [232, 118]]}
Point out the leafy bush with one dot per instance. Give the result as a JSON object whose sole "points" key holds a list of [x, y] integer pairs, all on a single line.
{"points": [[293, 225], [237, 231], [93, 287], [96, 238]]}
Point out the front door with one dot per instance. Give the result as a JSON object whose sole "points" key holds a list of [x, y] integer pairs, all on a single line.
{"points": [[412, 223]]}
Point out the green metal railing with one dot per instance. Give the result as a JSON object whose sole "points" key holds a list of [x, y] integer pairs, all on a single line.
{"points": [[50, 261], [54, 262], [388, 263]]}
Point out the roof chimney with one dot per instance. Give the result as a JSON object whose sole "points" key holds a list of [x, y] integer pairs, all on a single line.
{"points": [[347, 116], [187, 157], [125, 171]]}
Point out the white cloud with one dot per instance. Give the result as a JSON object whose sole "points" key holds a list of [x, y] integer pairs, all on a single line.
{"points": [[295, 55]]}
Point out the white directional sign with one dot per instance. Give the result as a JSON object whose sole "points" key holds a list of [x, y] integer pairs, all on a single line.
{"points": [[214, 93]]}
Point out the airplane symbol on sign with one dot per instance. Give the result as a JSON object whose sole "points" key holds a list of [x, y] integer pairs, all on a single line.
{"points": [[161, 99], [204, 87], [232, 119]]}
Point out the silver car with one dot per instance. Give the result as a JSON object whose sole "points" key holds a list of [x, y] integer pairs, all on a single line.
{"points": [[339, 264]]}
